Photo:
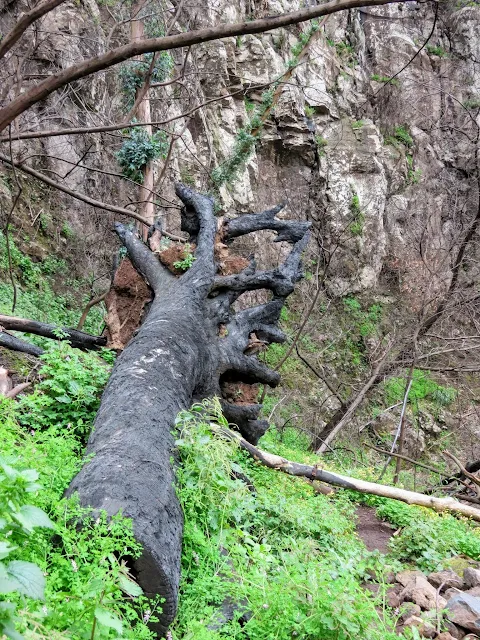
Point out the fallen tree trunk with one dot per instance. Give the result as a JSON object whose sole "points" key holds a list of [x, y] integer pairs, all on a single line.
{"points": [[191, 346], [313, 472], [17, 344], [78, 339]]}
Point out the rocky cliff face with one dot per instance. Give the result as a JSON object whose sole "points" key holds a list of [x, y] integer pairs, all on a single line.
{"points": [[383, 169]]}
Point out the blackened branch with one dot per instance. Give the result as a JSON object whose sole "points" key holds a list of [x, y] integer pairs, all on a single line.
{"points": [[288, 230]]}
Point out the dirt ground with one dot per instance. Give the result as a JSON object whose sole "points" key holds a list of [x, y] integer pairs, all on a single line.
{"points": [[374, 532]]}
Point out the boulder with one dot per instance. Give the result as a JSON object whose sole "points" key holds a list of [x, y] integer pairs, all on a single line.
{"points": [[408, 610], [425, 629], [445, 635], [392, 596], [446, 579], [420, 591], [471, 577], [404, 577], [464, 611]]}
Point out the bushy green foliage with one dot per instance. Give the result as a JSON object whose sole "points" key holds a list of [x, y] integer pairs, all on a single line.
{"points": [[138, 150], [290, 559], [423, 388], [18, 519], [83, 576], [321, 144], [402, 135], [427, 539], [68, 395], [436, 50], [247, 137], [37, 296], [472, 103], [357, 124], [384, 79], [366, 321], [133, 73]]}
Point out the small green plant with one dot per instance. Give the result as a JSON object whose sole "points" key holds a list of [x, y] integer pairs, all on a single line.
{"points": [[188, 259], [68, 395], [385, 79], [356, 227], [133, 73], [472, 103], [67, 231], [321, 143], [402, 135], [18, 519], [309, 111], [357, 124], [138, 150], [249, 105], [436, 51], [422, 388]]}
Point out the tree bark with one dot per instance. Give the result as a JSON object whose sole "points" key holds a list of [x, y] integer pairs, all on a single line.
{"points": [[78, 339], [16, 344], [190, 345]]}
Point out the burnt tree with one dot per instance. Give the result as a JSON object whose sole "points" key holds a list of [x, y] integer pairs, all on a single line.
{"points": [[191, 345]]}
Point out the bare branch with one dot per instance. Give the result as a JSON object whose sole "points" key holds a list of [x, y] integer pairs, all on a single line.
{"points": [[106, 60], [24, 22]]}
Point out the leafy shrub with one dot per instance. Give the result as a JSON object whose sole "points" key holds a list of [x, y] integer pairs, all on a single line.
{"points": [[85, 562], [358, 217], [290, 557], [18, 519], [436, 51], [423, 387], [188, 260], [138, 150], [402, 135], [68, 396]]}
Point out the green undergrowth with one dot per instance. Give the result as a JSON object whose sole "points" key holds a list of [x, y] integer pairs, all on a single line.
{"points": [[289, 559], [38, 294], [426, 539], [60, 579]]}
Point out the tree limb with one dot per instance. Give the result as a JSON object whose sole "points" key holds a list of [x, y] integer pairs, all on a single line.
{"points": [[150, 45], [17, 344], [78, 339], [298, 469], [24, 22]]}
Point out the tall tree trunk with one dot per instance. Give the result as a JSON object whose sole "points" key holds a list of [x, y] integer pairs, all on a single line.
{"points": [[191, 346], [146, 206]]}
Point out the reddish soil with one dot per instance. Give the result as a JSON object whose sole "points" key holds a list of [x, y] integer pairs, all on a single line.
{"points": [[125, 304], [374, 532], [240, 392], [175, 253]]}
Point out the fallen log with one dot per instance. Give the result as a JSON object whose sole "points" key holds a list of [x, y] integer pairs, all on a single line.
{"points": [[17, 344], [313, 472], [78, 339]]}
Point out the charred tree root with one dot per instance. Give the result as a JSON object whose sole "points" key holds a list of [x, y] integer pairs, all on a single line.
{"points": [[310, 472], [189, 344]]}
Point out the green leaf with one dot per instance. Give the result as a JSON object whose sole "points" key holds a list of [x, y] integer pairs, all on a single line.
{"points": [[129, 587], [108, 619], [9, 630], [29, 517], [5, 549], [65, 399], [30, 579]]}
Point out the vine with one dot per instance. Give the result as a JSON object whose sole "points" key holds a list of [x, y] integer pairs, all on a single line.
{"points": [[247, 137]]}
